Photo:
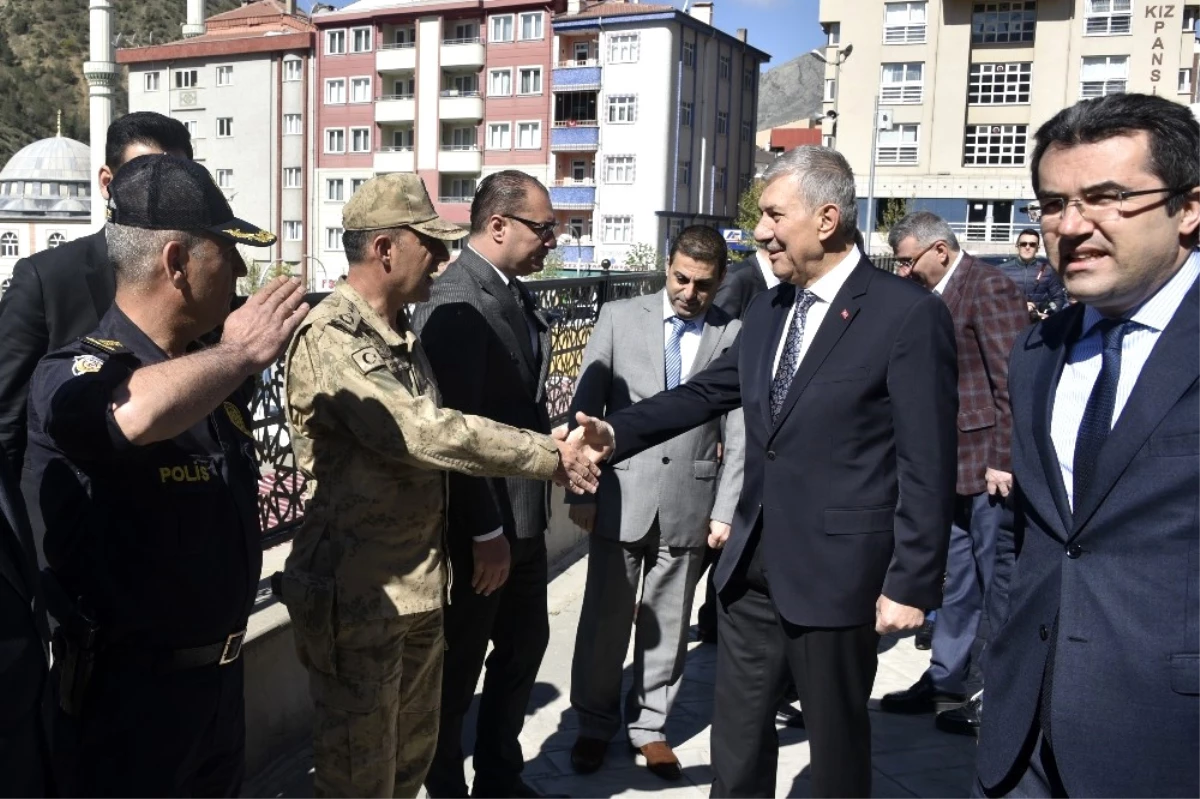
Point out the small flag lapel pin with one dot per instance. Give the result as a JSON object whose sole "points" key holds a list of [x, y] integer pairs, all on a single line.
{"points": [[845, 314]]}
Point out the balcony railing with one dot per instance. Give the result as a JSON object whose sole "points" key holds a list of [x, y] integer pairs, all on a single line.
{"points": [[408, 96], [455, 198], [397, 45], [574, 182], [396, 149], [578, 62], [575, 123], [466, 40], [460, 93], [571, 304], [459, 148]]}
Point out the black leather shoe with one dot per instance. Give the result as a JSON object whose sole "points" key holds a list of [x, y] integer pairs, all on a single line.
{"points": [[962, 720], [923, 640], [587, 755], [789, 716], [921, 698]]}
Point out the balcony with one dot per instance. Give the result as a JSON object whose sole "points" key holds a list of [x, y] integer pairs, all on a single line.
{"points": [[460, 158], [455, 199], [462, 53], [571, 76], [576, 135], [395, 159], [395, 108], [396, 58], [456, 104], [572, 196]]}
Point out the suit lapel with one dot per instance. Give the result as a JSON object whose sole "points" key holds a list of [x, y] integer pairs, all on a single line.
{"points": [[653, 307], [956, 288], [492, 284], [1163, 380], [1045, 385]]}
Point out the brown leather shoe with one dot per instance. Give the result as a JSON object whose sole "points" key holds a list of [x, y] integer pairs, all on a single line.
{"points": [[661, 760], [587, 755]]}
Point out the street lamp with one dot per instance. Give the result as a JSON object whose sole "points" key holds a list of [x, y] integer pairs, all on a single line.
{"points": [[307, 281], [842, 53]]}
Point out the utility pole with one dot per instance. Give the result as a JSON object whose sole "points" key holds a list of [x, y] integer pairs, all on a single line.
{"points": [[869, 228]]}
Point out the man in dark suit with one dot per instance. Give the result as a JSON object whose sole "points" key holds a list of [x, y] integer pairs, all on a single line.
{"points": [[847, 379], [1093, 679], [746, 279], [489, 346], [988, 311], [58, 295]]}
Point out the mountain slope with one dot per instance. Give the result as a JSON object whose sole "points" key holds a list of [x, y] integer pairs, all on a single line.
{"points": [[790, 91]]}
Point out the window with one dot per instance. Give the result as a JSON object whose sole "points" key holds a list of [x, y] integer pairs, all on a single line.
{"points": [[292, 125], [999, 84], [462, 84], [187, 78], [356, 184], [689, 54], [291, 177], [902, 83], [994, 145], [618, 229], [150, 81], [360, 140], [531, 80], [1002, 23], [622, 108], [460, 139], [623, 48], [403, 88], [500, 136], [830, 90], [529, 135], [334, 188], [579, 170], [335, 42], [459, 189], [405, 37], [500, 83], [827, 141], [904, 23], [8, 245], [749, 79], [291, 230], [583, 53], [225, 76], [465, 32], [1185, 81], [55, 240], [619, 168], [579, 227], [833, 34], [192, 127], [685, 173], [719, 179], [291, 69], [722, 123], [747, 131], [361, 39], [335, 140], [1191, 14], [333, 238], [224, 127], [531, 25], [724, 68], [224, 178], [1103, 74], [502, 28], [1107, 17], [335, 91], [402, 139], [897, 146], [360, 90], [685, 114]]}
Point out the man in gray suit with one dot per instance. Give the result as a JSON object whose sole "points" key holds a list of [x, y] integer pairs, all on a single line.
{"points": [[653, 514]]}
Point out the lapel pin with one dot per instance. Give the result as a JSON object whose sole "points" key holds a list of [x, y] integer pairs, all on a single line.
{"points": [[845, 314]]}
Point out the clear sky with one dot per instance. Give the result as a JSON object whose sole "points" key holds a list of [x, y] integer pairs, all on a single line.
{"points": [[782, 28]]}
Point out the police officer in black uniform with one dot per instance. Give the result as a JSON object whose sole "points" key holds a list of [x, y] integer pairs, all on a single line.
{"points": [[146, 477]]}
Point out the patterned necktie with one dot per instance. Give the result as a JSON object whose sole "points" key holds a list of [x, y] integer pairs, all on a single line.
{"points": [[673, 356], [789, 360], [526, 313]]}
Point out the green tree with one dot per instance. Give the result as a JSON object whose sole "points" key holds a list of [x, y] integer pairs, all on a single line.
{"points": [[895, 209], [748, 213], [259, 274], [644, 257], [552, 267]]}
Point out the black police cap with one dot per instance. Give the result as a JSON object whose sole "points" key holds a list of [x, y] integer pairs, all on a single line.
{"points": [[166, 192]]}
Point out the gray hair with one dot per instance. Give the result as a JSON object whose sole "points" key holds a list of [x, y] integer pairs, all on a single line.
{"points": [[924, 226], [134, 251], [824, 177]]}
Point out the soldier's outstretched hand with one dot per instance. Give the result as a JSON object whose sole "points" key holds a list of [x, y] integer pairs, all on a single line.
{"points": [[262, 327], [576, 471]]}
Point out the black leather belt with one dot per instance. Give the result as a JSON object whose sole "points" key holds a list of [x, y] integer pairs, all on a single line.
{"points": [[221, 653]]}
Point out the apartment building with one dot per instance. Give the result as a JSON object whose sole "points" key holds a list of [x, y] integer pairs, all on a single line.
{"points": [[243, 89], [653, 124], [451, 90], [962, 86]]}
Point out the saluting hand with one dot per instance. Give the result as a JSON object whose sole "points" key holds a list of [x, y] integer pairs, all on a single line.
{"points": [[261, 328], [576, 472]]}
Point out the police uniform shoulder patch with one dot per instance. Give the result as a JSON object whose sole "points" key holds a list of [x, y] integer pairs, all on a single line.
{"points": [[86, 365], [368, 359], [104, 345], [235, 416]]}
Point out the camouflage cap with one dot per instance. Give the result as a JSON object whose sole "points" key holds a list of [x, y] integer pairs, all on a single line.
{"points": [[398, 199]]}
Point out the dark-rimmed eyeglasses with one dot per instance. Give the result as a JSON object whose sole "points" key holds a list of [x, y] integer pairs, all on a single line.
{"points": [[543, 230], [908, 263], [1100, 206]]}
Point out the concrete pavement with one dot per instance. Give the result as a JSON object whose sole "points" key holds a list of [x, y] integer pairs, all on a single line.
{"points": [[911, 758]]}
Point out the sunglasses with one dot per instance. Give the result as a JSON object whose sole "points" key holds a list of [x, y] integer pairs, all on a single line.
{"points": [[543, 230]]}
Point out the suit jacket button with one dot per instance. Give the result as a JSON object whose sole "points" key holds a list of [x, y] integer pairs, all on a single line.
{"points": [[770, 454], [1043, 632], [666, 460], [1074, 551]]}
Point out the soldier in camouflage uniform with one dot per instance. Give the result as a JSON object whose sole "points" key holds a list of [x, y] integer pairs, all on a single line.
{"points": [[366, 578]]}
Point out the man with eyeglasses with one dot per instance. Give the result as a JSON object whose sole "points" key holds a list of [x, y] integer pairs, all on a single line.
{"points": [[1093, 679], [1044, 292], [489, 345]]}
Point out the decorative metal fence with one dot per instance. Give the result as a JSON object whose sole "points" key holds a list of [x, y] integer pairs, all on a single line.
{"points": [[573, 305]]}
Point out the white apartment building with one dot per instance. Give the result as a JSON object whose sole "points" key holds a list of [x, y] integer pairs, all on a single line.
{"points": [[963, 85], [653, 125]]}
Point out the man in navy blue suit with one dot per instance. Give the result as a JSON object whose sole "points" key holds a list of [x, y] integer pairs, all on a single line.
{"points": [[1093, 679], [848, 381]]}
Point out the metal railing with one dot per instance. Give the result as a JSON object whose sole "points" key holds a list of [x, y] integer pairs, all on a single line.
{"points": [[460, 93], [577, 62], [408, 96], [464, 40], [397, 45], [576, 123], [572, 304]]}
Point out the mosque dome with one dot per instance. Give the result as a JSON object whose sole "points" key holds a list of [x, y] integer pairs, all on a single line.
{"points": [[50, 177]]}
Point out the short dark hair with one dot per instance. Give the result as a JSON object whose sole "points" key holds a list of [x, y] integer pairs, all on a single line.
{"points": [[703, 244], [148, 128], [1029, 231], [501, 194], [356, 242], [1173, 131]]}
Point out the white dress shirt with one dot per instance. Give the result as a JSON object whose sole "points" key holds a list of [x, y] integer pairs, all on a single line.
{"points": [[825, 288], [764, 266], [940, 288], [689, 342], [1082, 368]]}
